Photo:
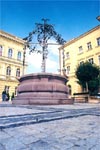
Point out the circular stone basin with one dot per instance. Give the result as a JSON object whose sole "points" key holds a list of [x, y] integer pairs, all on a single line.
{"points": [[42, 88]]}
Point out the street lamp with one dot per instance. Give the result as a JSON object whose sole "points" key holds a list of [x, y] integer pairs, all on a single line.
{"points": [[24, 54]]}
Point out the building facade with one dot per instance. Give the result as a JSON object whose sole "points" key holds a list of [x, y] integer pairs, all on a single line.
{"points": [[11, 62], [84, 48]]}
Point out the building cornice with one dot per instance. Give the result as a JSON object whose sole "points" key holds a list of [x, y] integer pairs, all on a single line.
{"points": [[11, 61], [79, 37], [11, 37]]}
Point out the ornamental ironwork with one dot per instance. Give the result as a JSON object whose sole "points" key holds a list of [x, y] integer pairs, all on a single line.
{"points": [[43, 33]]}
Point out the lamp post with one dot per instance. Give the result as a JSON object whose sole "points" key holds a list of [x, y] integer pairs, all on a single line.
{"points": [[24, 53]]}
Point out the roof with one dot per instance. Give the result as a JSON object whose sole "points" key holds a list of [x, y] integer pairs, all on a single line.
{"points": [[79, 37], [11, 37]]}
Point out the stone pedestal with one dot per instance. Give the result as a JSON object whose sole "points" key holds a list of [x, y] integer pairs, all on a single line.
{"points": [[42, 88]]}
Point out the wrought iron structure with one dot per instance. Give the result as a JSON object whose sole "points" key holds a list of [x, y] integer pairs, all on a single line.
{"points": [[43, 33]]}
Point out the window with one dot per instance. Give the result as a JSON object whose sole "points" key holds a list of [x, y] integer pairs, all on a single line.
{"points": [[67, 55], [10, 51], [91, 60], [80, 49], [1, 48], [8, 71], [68, 69], [19, 56], [89, 46], [18, 72], [99, 59], [98, 41]]}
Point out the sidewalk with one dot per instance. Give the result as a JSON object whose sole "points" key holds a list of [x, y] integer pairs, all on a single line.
{"points": [[55, 127]]}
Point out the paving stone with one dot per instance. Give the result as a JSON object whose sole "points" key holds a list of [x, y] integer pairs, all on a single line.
{"points": [[13, 144], [41, 145], [69, 138], [91, 142], [2, 147], [4, 135], [63, 127], [96, 147], [76, 147], [14, 132], [28, 139], [63, 146]]}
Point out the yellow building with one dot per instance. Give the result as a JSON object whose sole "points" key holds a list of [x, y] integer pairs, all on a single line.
{"points": [[84, 48], [11, 62]]}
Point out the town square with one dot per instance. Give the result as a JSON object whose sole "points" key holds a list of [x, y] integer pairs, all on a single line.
{"points": [[49, 75]]}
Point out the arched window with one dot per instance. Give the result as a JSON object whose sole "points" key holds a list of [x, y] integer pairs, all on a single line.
{"points": [[8, 71], [10, 51], [1, 48], [18, 72], [19, 56]]}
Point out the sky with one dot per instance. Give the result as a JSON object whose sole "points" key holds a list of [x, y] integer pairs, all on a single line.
{"points": [[70, 19]]}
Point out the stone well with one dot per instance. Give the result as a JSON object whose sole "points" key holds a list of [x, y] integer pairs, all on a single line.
{"points": [[42, 88]]}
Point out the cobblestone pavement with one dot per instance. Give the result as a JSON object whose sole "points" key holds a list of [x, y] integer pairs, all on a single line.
{"points": [[55, 127]]}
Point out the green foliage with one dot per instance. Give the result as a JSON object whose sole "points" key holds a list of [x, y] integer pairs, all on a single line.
{"points": [[88, 76], [93, 85], [86, 72], [82, 84]]}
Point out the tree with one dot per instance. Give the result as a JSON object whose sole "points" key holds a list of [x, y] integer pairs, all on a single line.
{"points": [[88, 76], [93, 86]]}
